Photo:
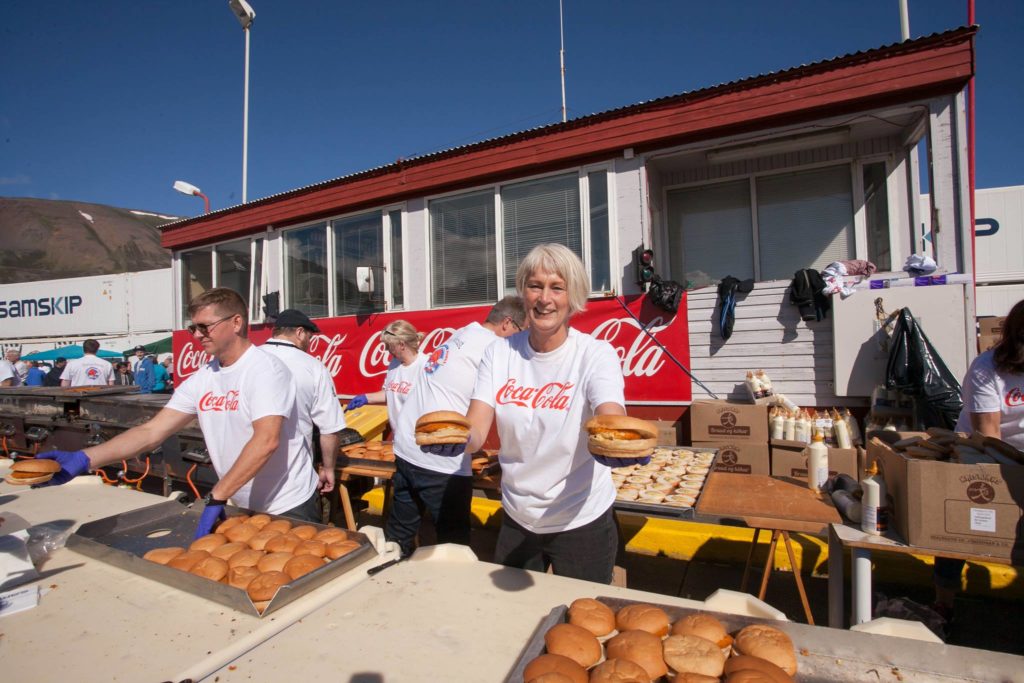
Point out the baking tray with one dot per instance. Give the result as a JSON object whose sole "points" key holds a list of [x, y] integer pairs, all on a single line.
{"points": [[826, 655], [122, 540], [659, 510]]}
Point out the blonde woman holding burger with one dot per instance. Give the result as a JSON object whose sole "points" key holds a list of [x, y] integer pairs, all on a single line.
{"points": [[402, 341], [541, 386]]}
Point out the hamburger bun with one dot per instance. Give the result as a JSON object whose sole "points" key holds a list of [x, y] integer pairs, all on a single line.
{"points": [[750, 676], [641, 617], [763, 666], [162, 555], [245, 558], [188, 559], [241, 577], [574, 642], [312, 547], [226, 551], [304, 531], [442, 426], [592, 615], [559, 664], [259, 521], [230, 522], [331, 535], [33, 471], [274, 562], [341, 548], [212, 568], [690, 677], [693, 654], [281, 526], [283, 543], [300, 565], [241, 533], [703, 625], [639, 647], [550, 677], [619, 671], [265, 586], [209, 542], [620, 436], [260, 539], [766, 642]]}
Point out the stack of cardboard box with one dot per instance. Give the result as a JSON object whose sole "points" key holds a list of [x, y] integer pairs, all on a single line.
{"points": [[739, 431], [991, 330], [789, 459]]}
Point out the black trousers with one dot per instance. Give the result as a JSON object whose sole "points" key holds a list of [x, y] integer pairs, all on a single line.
{"points": [[586, 553], [447, 497], [310, 511]]}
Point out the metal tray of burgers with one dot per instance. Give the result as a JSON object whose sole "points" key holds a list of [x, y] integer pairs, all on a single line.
{"points": [[669, 486], [373, 454], [827, 655], [122, 540]]}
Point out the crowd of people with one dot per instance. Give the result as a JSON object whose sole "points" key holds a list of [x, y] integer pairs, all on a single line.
{"points": [[144, 370]]}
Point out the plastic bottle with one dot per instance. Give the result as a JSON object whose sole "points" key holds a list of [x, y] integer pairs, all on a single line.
{"points": [[789, 427], [817, 463], [852, 426], [778, 424], [873, 513], [753, 386], [803, 428], [766, 383], [790, 406], [842, 431]]}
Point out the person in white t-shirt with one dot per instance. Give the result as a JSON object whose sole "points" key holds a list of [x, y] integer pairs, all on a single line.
{"points": [[540, 387], [9, 376], [993, 393], [402, 341], [89, 370], [20, 366], [428, 481], [245, 403], [318, 403]]}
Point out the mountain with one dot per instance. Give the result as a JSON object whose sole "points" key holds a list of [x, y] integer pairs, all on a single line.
{"points": [[42, 239]]}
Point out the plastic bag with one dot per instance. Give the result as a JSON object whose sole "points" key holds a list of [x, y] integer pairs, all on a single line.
{"points": [[916, 369], [665, 294]]}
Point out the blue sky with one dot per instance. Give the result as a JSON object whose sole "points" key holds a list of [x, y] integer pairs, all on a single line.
{"points": [[111, 101]]}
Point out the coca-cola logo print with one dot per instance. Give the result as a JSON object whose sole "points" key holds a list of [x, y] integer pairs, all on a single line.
{"points": [[190, 359], [552, 396], [981, 492], [639, 355], [1014, 398], [214, 403], [403, 387]]}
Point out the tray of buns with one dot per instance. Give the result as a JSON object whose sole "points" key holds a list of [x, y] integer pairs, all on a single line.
{"points": [[667, 641], [253, 563], [377, 454], [670, 485]]}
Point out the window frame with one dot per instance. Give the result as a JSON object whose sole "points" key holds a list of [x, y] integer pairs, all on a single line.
{"points": [[255, 307]]}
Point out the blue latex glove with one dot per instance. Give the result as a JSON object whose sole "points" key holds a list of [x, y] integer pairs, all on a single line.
{"points": [[72, 464], [448, 450], [621, 462], [211, 515], [356, 402]]}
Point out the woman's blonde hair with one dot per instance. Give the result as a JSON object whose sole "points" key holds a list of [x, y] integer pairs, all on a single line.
{"points": [[559, 260], [401, 331]]}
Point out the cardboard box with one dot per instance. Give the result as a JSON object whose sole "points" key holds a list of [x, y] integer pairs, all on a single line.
{"points": [[973, 509], [668, 434], [739, 457], [728, 421], [789, 459], [991, 331]]}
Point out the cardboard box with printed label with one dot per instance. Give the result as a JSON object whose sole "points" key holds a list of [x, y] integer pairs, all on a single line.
{"points": [[739, 457], [728, 421], [940, 505], [990, 332], [789, 459]]}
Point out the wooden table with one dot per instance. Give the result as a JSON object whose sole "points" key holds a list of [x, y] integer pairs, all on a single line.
{"points": [[777, 505]]}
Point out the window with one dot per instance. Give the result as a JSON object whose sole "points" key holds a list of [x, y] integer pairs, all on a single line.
{"points": [[463, 267], [710, 234], [600, 249], [358, 242], [196, 276], [257, 282], [234, 266], [876, 215], [305, 269], [536, 212], [397, 284]]}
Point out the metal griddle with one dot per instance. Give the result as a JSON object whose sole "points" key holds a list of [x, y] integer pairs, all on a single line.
{"points": [[826, 655], [122, 540]]}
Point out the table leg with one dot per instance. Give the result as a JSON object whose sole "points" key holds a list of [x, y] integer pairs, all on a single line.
{"points": [[799, 579], [836, 598], [861, 585], [769, 565], [750, 560], [346, 504]]}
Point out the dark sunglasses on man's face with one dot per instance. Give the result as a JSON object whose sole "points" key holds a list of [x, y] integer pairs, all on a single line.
{"points": [[204, 328]]}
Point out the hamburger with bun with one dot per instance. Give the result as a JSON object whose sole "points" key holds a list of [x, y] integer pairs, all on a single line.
{"points": [[620, 671], [557, 664], [704, 626], [769, 671], [441, 427], [574, 642], [33, 471], [620, 436], [766, 642], [592, 615]]}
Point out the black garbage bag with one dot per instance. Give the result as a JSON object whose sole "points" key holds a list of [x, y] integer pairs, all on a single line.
{"points": [[916, 369]]}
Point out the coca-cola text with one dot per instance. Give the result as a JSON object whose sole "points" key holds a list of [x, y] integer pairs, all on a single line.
{"points": [[552, 396], [211, 402]]}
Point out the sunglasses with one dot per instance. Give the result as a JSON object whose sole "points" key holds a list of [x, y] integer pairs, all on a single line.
{"points": [[204, 328], [518, 327]]}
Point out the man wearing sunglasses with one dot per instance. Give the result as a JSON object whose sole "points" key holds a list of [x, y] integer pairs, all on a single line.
{"points": [[443, 485], [245, 402]]}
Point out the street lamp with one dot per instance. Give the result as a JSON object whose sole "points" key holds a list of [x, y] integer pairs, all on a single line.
{"points": [[187, 188], [245, 14]]}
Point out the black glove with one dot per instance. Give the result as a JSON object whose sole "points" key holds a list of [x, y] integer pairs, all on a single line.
{"points": [[448, 450], [621, 462]]}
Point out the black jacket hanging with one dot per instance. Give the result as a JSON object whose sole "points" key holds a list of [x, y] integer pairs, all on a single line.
{"points": [[805, 292], [727, 290]]}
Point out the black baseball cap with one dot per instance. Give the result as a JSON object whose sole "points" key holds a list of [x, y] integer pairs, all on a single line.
{"points": [[140, 347], [291, 317]]}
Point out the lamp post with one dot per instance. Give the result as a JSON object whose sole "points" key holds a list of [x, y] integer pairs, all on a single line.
{"points": [[245, 14], [187, 188]]}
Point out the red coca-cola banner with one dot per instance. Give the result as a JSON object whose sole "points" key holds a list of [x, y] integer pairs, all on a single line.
{"points": [[353, 352]]}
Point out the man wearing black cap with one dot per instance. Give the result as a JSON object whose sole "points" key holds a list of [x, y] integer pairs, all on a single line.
{"points": [[140, 355], [315, 397]]}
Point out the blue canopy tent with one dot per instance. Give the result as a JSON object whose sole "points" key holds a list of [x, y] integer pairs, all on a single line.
{"points": [[69, 352]]}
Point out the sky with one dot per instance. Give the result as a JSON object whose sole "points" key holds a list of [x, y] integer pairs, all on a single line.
{"points": [[111, 101]]}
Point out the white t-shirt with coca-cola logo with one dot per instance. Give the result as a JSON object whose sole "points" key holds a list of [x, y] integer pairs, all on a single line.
{"points": [[88, 371], [549, 480], [398, 384], [445, 383], [986, 390], [227, 400]]}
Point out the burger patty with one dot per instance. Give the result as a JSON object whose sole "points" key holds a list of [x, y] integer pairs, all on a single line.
{"points": [[617, 434], [437, 426]]}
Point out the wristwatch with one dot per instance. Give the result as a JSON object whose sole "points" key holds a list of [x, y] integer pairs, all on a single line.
{"points": [[208, 499]]}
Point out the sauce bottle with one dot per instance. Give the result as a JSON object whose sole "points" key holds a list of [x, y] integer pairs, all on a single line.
{"points": [[778, 424], [789, 428], [873, 512], [766, 384], [842, 431], [803, 428], [753, 386], [817, 463], [852, 426]]}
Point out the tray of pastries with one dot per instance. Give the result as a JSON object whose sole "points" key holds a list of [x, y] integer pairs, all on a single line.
{"points": [[669, 485]]}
